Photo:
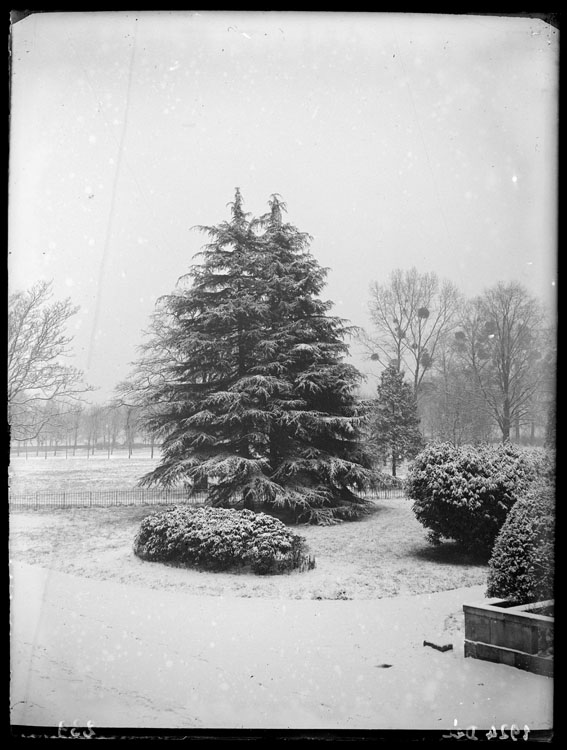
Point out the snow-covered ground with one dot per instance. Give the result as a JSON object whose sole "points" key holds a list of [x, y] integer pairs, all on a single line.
{"points": [[383, 555], [123, 655], [98, 635], [78, 473]]}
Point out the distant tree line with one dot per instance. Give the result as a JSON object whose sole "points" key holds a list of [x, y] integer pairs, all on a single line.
{"points": [[88, 429]]}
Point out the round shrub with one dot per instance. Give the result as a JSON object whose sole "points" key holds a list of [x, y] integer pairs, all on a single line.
{"points": [[220, 539], [521, 567], [464, 493]]}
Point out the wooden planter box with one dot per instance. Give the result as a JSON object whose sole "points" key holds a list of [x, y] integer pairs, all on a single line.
{"points": [[496, 630]]}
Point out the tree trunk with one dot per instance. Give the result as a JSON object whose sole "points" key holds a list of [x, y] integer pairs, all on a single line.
{"points": [[202, 484], [273, 449], [506, 422]]}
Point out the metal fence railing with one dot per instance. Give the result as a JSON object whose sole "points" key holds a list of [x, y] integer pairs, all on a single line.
{"points": [[104, 498], [139, 496], [385, 492]]}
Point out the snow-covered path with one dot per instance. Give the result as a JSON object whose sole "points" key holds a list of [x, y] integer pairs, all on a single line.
{"points": [[126, 656]]}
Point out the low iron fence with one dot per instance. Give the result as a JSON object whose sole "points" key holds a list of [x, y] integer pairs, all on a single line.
{"points": [[384, 493], [112, 498], [104, 498]]}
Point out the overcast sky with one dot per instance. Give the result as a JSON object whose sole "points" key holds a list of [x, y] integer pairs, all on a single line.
{"points": [[396, 140]]}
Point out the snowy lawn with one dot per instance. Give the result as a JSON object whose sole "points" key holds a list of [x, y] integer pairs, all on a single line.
{"points": [[79, 473], [383, 555]]}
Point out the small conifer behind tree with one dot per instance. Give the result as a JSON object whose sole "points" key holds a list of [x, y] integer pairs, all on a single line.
{"points": [[253, 396], [395, 424]]}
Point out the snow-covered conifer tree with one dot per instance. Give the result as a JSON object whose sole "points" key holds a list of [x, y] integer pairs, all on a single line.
{"points": [[256, 397], [395, 425]]}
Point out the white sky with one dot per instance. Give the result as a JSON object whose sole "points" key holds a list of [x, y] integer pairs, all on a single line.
{"points": [[395, 139]]}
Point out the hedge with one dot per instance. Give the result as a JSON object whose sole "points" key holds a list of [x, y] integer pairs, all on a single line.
{"points": [[220, 539], [464, 493], [521, 567]]}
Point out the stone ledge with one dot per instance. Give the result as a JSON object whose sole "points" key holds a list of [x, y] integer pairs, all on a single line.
{"points": [[510, 635], [519, 612], [542, 665]]}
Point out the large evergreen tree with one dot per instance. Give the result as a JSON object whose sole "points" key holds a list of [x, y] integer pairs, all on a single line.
{"points": [[252, 392], [395, 427]]}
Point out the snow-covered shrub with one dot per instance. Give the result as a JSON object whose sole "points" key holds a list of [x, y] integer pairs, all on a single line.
{"points": [[220, 539], [464, 493], [521, 567]]}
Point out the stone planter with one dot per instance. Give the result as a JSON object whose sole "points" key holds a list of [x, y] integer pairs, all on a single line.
{"points": [[516, 635]]}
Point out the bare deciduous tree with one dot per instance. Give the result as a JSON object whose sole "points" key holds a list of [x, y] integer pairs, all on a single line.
{"points": [[501, 341], [452, 407], [411, 313], [37, 344]]}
